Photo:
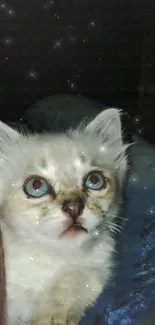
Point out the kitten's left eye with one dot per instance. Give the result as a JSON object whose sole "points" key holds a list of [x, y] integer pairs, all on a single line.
{"points": [[36, 187], [95, 181]]}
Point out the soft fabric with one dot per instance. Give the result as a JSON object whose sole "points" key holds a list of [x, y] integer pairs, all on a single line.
{"points": [[130, 296], [59, 112]]}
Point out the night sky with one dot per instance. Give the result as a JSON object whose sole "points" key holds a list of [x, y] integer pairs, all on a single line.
{"points": [[91, 47]]}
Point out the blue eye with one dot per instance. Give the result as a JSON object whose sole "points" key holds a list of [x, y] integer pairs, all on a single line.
{"points": [[36, 187], [95, 181]]}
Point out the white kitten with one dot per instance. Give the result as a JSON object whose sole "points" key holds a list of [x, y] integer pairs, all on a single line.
{"points": [[59, 199]]}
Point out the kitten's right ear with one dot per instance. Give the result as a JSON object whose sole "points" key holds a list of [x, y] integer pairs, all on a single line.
{"points": [[107, 127], [7, 133]]}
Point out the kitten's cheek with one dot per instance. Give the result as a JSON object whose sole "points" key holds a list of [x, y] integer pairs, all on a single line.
{"points": [[90, 220]]}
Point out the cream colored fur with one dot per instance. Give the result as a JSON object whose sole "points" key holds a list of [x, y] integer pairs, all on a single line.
{"points": [[52, 280]]}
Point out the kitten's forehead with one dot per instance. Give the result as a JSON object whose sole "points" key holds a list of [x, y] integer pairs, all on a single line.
{"points": [[63, 151], [64, 157], [60, 158], [61, 145]]}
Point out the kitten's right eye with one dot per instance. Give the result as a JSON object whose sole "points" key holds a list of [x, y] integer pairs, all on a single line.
{"points": [[36, 187]]}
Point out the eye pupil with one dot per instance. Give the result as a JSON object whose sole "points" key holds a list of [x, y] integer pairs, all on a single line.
{"points": [[94, 179], [36, 184], [36, 187]]}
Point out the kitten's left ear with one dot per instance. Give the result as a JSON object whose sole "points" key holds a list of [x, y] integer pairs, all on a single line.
{"points": [[107, 126], [7, 133]]}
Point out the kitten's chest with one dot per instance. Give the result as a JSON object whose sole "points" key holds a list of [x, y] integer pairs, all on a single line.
{"points": [[28, 274]]}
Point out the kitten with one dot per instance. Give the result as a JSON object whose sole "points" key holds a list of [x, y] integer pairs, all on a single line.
{"points": [[60, 196]]}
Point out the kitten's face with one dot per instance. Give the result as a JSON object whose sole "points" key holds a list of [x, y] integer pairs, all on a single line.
{"points": [[61, 188]]}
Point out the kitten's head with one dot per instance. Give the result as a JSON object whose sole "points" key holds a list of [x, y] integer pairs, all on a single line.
{"points": [[64, 187]]}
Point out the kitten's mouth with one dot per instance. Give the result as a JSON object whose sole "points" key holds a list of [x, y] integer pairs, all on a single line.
{"points": [[74, 230]]}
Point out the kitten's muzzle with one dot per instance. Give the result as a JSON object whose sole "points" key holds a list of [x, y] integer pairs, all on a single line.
{"points": [[73, 208]]}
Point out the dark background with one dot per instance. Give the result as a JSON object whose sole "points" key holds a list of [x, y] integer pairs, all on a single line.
{"points": [[103, 49]]}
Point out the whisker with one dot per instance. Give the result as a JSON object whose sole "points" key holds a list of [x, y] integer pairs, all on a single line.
{"points": [[114, 227]]}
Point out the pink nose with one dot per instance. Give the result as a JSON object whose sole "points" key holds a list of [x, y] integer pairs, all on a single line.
{"points": [[73, 208]]}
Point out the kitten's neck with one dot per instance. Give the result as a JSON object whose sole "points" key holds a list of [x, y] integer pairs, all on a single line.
{"points": [[11, 238], [18, 244]]}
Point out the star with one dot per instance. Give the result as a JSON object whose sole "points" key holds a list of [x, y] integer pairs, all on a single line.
{"points": [[57, 44], [11, 12], [32, 75], [85, 40], [140, 130], [136, 120], [151, 210], [3, 5], [71, 85], [140, 88], [57, 16], [73, 39], [8, 41], [91, 24], [49, 4]]}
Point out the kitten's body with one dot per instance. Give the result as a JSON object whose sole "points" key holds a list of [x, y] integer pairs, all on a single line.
{"points": [[33, 270], [50, 278]]}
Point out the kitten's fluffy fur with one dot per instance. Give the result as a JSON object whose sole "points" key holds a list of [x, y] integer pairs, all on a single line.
{"points": [[51, 280]]}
